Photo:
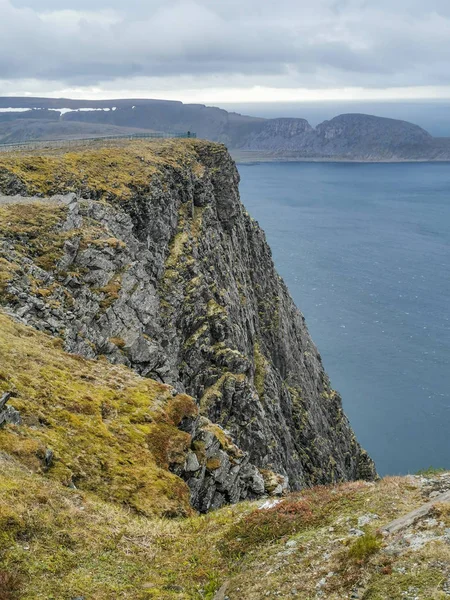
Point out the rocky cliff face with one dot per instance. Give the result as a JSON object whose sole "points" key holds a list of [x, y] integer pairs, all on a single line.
{"points": [[153, 262], [348, 137]]}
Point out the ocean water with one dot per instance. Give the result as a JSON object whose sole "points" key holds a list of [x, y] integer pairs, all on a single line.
{"points": [[365, 251]]}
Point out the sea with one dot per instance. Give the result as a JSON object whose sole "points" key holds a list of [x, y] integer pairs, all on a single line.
{"points": [[365, 252]]}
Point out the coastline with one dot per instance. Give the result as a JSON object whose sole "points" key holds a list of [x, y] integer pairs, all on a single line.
{"points": [[250, 157]]}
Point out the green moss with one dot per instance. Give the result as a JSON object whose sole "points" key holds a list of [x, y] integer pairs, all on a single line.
{"points": [[214, 392], [111, 172], [176, 250], [111, 291], [194, 338], [109, 429], [225, 441], [261, 365], [35, 231], [215, 310], [363, 547]]}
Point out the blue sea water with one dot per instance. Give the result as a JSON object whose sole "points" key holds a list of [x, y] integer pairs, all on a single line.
{"points": [[365, 251]]}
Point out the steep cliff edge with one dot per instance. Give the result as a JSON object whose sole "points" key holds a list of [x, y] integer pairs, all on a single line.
{"points": [[346, 137], [151, 260]]}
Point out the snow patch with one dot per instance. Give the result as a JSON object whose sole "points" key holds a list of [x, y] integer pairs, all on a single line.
{"points": [[269, 504], [14, 110]]}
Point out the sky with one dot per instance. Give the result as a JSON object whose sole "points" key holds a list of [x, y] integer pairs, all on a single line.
{"points": [[216, 51]]}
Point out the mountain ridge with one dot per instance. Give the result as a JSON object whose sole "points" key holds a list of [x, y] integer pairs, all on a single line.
{"points": [[350, 136]]}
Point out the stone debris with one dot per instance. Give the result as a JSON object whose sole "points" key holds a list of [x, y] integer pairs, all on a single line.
{"points": [[367, 519], [8, 414]]}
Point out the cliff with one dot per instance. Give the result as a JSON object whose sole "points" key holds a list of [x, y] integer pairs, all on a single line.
{"points": [[155, 264], [347, 137], [151, 360]]}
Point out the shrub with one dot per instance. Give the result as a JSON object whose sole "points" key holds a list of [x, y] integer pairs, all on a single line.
{"points": [[363, 547], [262, 526], [431, 471], [314, 507]]}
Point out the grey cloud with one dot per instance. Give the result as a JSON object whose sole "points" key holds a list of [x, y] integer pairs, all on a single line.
{"points": [[288, 43]]}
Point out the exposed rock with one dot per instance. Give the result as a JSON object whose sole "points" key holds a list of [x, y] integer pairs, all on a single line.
{"points": [[8, 414], [364, 520], [216, 470], [48, 458], [178, 283]]}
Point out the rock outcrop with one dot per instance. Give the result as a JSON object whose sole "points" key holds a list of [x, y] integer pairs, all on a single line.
{"points": [[101, 428], [8, 414], [153, 262], [347, 137]]}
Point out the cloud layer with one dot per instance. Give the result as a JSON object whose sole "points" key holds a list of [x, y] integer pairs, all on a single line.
{"points": [[232, 44]]}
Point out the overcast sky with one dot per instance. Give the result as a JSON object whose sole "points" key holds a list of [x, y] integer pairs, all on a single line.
{"points": [[226, 50]]}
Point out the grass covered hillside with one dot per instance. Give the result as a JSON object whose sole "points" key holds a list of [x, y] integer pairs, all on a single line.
{"points": [[109, 430], [103, 518], [102, 171], [107, 537]]}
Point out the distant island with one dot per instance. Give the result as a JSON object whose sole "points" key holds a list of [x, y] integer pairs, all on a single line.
{"points": [[347, 137]]}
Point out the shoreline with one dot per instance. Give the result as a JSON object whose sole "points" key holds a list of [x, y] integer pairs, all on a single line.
{"points": [[259, 157]]}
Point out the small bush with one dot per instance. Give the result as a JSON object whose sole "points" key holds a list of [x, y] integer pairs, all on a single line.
{"points": [[263, 526], [364, 547], [314, 507], [181, 407], [431, 471], [213, 463]]}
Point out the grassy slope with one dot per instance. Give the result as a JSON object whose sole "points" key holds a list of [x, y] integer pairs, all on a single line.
{"points": [[111, 431], [58, 543], [109, 538], [102, 170]]}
